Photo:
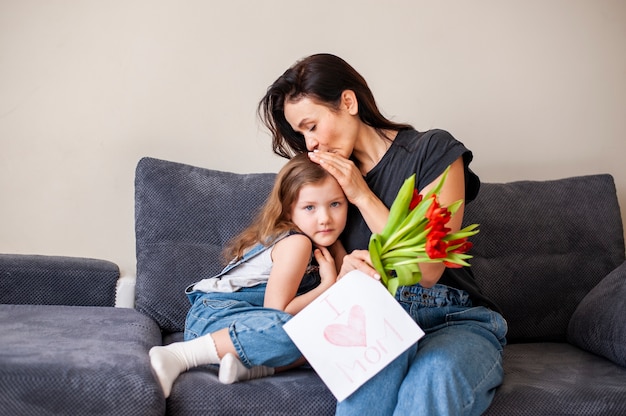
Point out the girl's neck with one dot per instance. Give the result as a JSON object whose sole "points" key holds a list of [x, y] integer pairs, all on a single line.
{"points": [[371, 146]]}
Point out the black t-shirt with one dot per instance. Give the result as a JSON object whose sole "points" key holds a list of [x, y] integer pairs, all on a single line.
{"points": [[427, 154]]}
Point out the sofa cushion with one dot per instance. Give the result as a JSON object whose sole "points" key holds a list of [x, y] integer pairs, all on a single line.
{"points": [[254, 397], [558, 379], [44, 280], [598, 322], [542, 246], [62, 360], [184, 215], [295, 392]]}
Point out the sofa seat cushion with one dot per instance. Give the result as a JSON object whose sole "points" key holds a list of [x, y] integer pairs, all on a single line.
{"points": [[294, 392], [540, 379], [77, 360], [558, 379]]}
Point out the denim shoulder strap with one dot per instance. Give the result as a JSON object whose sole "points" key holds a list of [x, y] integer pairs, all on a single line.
{"points": [[253, 252]]}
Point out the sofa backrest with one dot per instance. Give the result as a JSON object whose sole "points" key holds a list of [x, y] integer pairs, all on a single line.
{"points": [[542, 246], [183, 217]]}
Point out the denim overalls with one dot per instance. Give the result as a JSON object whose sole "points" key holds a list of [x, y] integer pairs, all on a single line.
{"points": [[256, 332]]}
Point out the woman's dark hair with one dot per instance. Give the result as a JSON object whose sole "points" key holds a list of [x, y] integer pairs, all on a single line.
{"points": [[323, 78]]}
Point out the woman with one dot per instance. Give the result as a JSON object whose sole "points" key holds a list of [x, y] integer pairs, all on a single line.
{"points": [[323, 107]]}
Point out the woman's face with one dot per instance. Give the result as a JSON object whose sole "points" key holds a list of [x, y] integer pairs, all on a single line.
{"points": [[323, 128]]}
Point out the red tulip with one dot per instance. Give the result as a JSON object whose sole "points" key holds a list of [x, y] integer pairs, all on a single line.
{"points": [[451, 265], [417, 198], [464, 247], [436, 248]]}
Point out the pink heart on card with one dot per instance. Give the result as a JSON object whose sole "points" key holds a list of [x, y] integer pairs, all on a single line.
{"points": [[350, 335]]}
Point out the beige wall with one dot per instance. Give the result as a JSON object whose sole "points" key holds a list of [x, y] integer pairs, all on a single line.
{"points": [[536, 88]]}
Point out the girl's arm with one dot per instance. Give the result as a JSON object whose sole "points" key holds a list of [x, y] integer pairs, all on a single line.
{"points": [[290, 257]]}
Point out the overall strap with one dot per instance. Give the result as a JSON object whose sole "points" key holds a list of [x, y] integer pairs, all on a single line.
{"points": [[253, 252], [257, 249]]}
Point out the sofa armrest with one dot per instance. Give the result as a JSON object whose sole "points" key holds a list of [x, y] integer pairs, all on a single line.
{"points": [[125, 293], [57, 280]]}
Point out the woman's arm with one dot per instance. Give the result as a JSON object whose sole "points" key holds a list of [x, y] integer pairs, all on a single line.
{"points": [[453, 190], [290, 257]]}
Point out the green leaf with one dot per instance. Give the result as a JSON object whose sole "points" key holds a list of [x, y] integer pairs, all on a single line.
{"points": [[408, 275], [392, 287], [400, 206], [375, 252], [466, 232], [415, 222]]}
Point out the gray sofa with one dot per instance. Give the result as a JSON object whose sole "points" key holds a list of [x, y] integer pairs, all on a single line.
{"points": [[64, 348], [550, 253]]}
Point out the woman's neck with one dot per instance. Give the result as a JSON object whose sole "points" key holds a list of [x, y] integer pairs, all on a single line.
{"points": [[371, 146]]}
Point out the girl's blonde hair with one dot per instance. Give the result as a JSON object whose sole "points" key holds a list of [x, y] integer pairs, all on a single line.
{"points": [[274, 219]]}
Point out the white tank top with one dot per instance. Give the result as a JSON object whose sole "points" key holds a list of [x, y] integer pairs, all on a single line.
{"points": [[250, 273]]}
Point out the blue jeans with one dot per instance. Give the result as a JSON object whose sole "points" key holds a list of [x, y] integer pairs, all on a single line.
{"points": [[256, 332], [453, 370]]}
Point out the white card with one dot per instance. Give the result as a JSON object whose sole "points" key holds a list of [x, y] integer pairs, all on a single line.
{"points": [[351, 332]]}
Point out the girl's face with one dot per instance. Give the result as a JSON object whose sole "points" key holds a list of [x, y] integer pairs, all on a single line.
{"points": [[320, 211], [322, 128]]}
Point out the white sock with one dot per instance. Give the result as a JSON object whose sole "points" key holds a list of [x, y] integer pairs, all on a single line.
{"points": [[232, 370], [171, 360]]}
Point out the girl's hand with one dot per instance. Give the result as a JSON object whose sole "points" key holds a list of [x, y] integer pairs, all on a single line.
{"points": [[338, 253], [290, 258], [358, 260], [327, 268]]}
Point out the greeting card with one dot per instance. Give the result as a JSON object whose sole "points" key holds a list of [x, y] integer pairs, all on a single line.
{"points": [[351, 332]]}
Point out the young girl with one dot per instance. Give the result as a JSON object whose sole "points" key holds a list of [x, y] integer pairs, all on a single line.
{"points": [[237, 317]]}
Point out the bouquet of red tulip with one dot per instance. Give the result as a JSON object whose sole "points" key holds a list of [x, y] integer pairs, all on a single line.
{"points": [[416, 233]]}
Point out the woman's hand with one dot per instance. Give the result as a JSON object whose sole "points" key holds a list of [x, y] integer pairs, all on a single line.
{"points": [[345, 172], [351, 180], [358, 260]]}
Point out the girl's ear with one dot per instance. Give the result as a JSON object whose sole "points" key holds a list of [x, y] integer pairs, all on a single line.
{"points": [[349, 102]]}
